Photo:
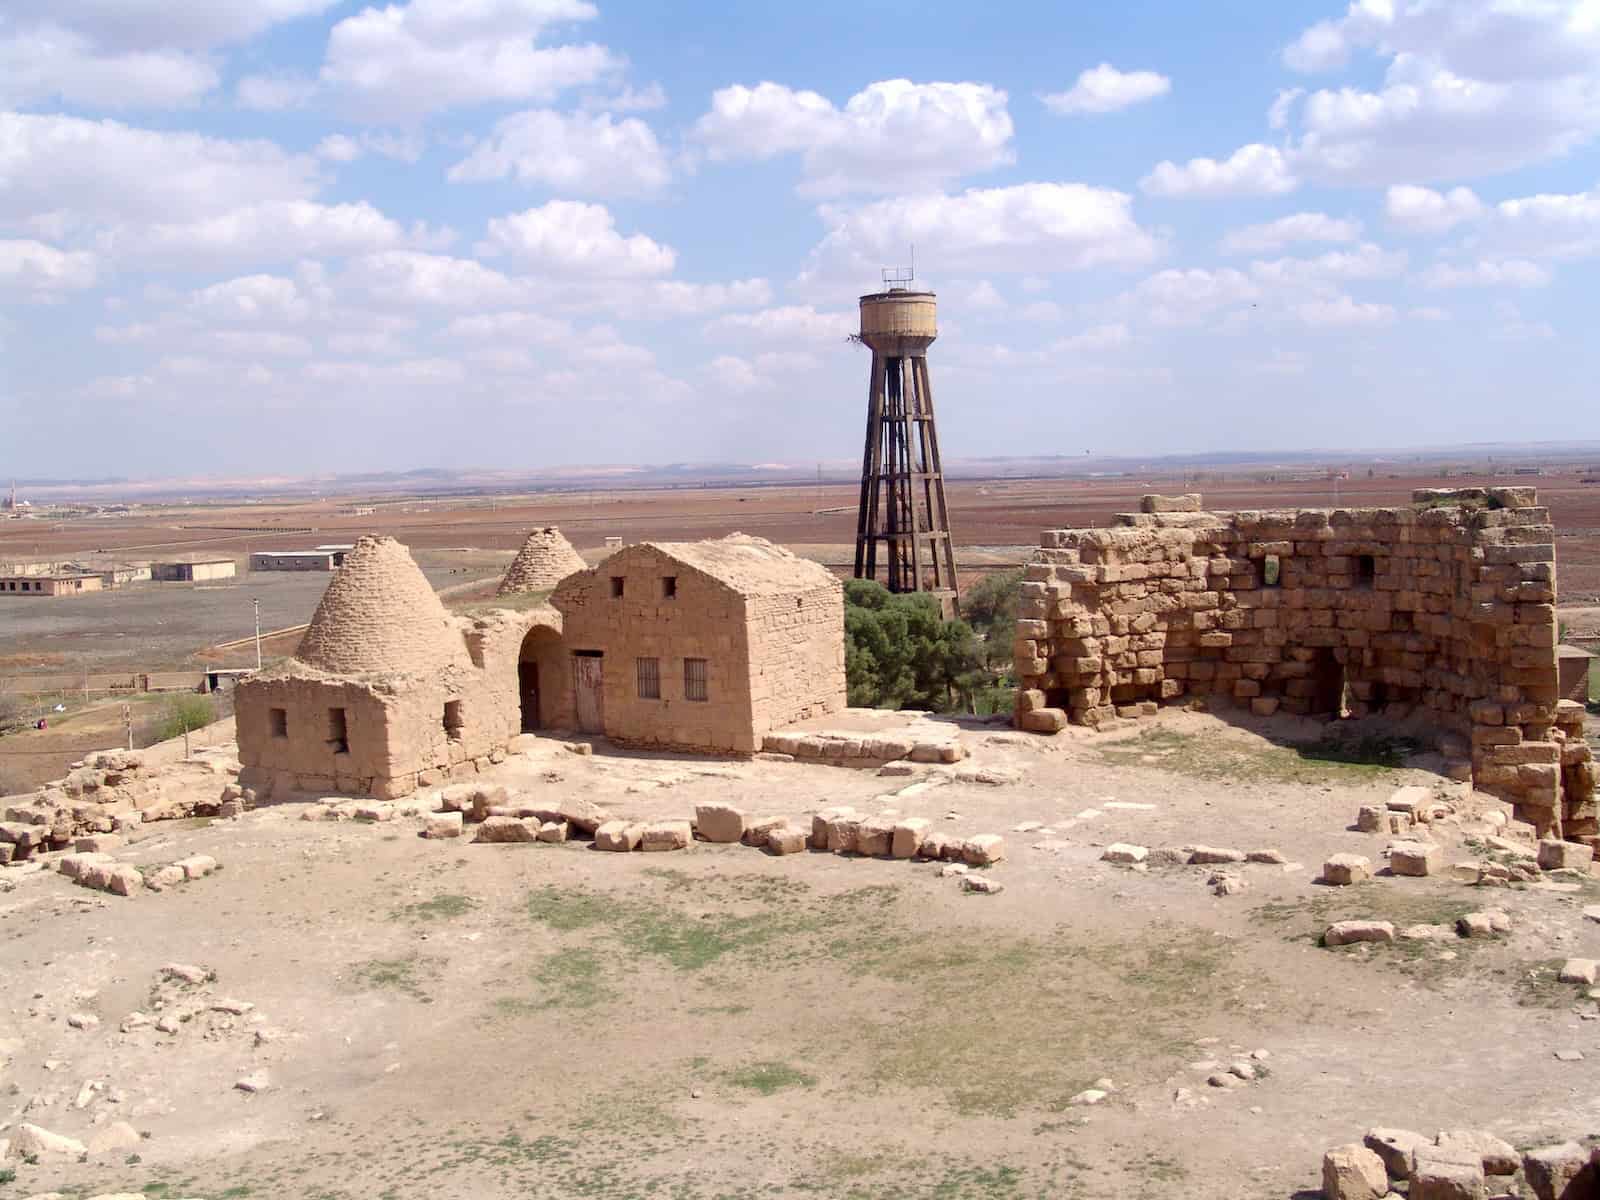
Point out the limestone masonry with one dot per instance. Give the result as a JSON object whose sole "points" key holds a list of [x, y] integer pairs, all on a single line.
{"points": [[1445, 609], [704, 646], [545, 559]]}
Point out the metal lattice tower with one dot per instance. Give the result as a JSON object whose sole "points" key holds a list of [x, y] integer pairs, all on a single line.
{"points": [[903, 525]]}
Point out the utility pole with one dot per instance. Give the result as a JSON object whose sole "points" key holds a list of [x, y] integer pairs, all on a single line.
{"points": [[256, 601]]}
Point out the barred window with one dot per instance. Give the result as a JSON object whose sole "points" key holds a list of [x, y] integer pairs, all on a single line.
{"points": [[649, 670], [694, 679]]}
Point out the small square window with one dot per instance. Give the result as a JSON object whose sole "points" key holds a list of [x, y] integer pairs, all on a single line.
{"points": [[1271, 571], [453, 721], [694, 679], [338, 734], [649, 674], [279, 720], [669, 586], [616, 587], [1366, 571]]}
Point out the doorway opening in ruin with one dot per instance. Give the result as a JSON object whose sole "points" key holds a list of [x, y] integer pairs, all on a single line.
{"points": [[1327, 684], [1366, 570], [454, 723], [539, 668]]}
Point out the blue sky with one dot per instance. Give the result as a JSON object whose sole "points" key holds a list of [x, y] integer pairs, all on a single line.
{"points": [[283, 236]]}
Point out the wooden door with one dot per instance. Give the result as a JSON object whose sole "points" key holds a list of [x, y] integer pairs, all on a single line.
{"points": [[587, 674]]}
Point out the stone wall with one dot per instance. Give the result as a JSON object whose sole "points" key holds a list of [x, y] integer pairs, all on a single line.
{"points": [[1444, 609], [796, 656], [704, 620]]}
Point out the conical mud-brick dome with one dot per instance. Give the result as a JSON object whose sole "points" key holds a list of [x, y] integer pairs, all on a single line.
{"points": [[381, 616], [545, 559]]}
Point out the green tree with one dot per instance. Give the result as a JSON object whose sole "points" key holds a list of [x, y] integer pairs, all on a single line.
{"points": [[901, 653], [185, 713], [990, 607]]}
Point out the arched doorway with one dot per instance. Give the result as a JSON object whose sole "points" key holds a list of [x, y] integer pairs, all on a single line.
{"points": [[537, 689]]}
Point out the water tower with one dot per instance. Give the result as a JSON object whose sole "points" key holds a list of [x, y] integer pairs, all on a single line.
{"points": [[903, 526]]}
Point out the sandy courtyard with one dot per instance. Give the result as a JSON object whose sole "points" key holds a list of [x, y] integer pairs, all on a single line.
{"points": [[444, 1019]]}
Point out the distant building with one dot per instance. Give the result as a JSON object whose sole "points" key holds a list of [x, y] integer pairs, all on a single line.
{"points": [[194, 570], [48, 585], [295, 560]]}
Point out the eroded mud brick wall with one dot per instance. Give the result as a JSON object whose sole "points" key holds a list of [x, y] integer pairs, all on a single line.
{"points": [[1443, 609]]}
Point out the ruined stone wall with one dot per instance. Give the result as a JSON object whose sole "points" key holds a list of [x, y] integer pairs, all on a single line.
{"points": [[702, 620], [1445, 609], [796, 656]]}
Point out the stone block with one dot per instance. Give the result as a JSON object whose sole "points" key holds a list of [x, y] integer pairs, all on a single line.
{"points": [[757, 830], [1495, 1155], [1371, 818], [666, 835], [508, 829], [1559, 1172], [1556, 855], [1213, 855], [1394, 1147], [165, 877], [1124, 853], [841, 833], [99, 843], [1043, 720], [31, 1142], [908, 837], [442, 825], [1483, 924], [719, 822], [197, 866], [620, 836], [74, 866], [553, 831], [1416, 858], [1352, 1172], [983, 850], [875, 836], [1187, 503], [786, 840], [1436, 1178], [1345, 933], [1345, 869], [1579, 970]]}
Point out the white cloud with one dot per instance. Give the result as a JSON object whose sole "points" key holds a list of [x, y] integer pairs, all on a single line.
{"points": [[677, 298], [341, 147], [982, 297], [259, 341], [1097, 337], [66, 172], [574, 154], [1186, 297], [1366, 261], [1471, 87], [48, 63], [261, 233], [510, 326], [1512, 326], [1423, 210], [1548, 225], [1343, 312], [404, 61], [1030, 227], [570, 238], [34, 271], [734, 374], [413, 277], [253, 298], [1105, 89], [116, 387], [1429, 312], [1487, 273], [153, 24], [1279, 362], [892, 136], [1300, 227], [1282, 105], [790, 324], [1254, 170], [1043, 311]]}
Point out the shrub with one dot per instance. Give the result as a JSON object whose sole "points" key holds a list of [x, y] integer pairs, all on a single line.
{"points": [[901, 653], [184, 714]]}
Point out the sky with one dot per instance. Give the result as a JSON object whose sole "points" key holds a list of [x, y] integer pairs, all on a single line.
{"points": [[277, 237]]}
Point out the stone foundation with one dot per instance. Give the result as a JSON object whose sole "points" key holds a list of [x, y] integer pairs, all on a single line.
{"points": [[1443, 610]]}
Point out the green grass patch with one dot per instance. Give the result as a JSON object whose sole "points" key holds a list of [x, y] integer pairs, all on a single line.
{"points": [[1333, 758], [769, 1078], [567, 979], [405, 975], [1537, 984], [439, 908]]}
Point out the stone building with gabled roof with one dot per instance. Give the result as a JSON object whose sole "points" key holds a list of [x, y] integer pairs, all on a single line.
{"points": [[702, 645], [545, 559]]}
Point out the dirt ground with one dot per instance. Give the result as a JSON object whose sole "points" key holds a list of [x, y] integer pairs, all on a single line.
{"points": [[447, 1020]]}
